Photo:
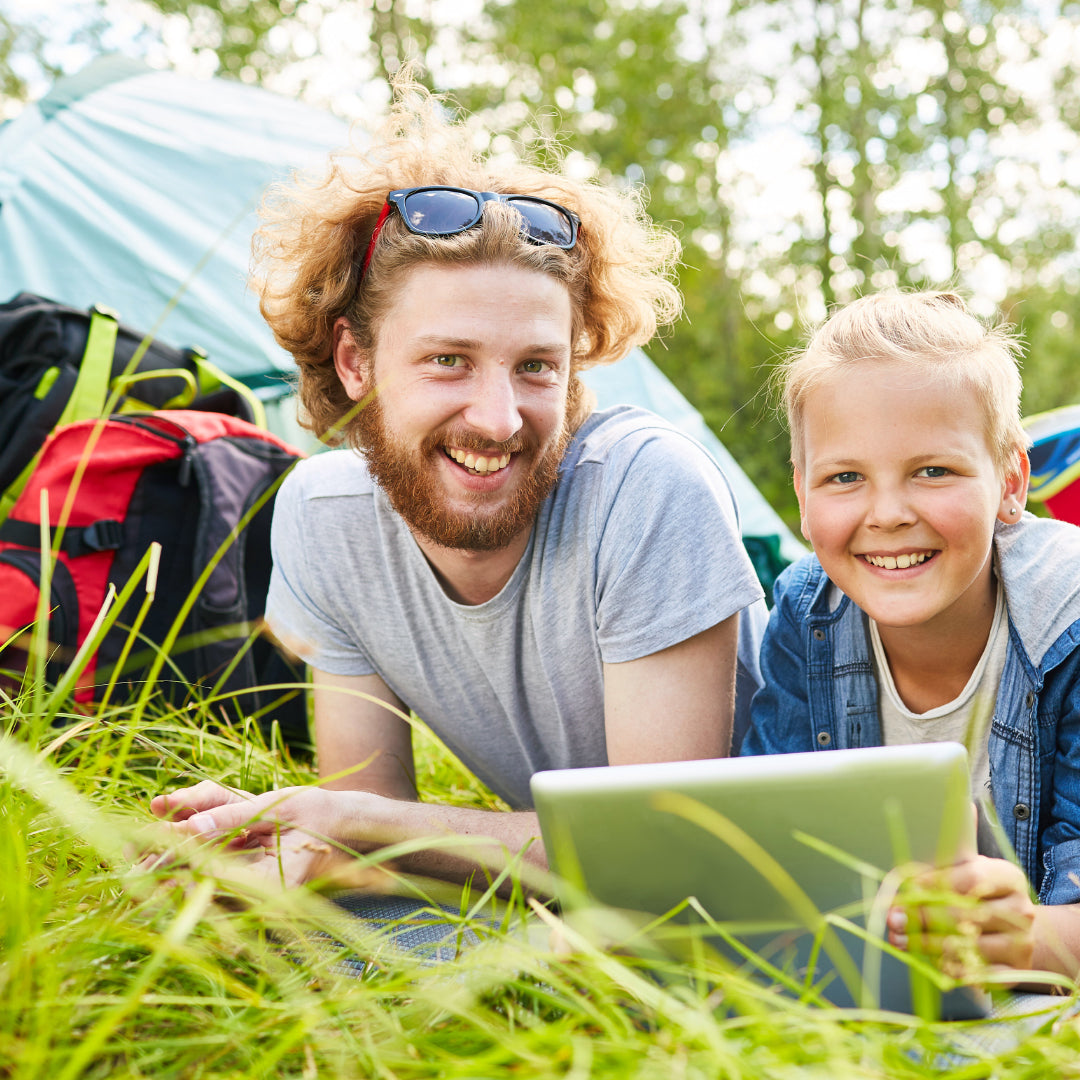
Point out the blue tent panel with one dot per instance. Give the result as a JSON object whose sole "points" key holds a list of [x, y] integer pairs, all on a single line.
{"points": [[636, 380], [138, 189]]}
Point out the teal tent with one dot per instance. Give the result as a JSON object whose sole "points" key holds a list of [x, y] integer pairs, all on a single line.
{"points": [[138, 189]]}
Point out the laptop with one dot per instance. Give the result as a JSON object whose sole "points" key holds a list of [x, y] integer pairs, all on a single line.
{"points": [[764, 847]]}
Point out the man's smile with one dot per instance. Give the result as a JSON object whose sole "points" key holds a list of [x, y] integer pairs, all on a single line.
{"points": [[477, 463]]}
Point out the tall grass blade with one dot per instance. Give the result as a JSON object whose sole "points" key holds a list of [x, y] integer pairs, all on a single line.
{"points": [[185, 922], [39, 638], [152, 561]]}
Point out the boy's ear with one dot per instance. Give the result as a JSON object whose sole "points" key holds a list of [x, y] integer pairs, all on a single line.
{"points": [[800, 494], [1015, 488], [350, 361]]}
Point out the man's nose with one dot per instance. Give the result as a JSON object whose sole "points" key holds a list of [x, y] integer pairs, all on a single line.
{"points": [[493, 406]]}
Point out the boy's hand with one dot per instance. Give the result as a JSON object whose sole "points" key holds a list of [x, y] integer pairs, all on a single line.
{"points": [[975, 915]]}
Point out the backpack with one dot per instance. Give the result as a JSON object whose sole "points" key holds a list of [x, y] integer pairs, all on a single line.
{"points": [[183, 478], [58, 364]]}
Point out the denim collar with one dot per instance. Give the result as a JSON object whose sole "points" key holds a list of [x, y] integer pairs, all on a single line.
{"points": [[1034, 566]]}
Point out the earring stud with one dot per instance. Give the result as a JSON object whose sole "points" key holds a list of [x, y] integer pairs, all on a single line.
{"points": [[1012, 510]]}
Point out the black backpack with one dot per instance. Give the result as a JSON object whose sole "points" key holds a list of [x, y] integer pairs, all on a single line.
{"points": [[199, 482], [58, 364]]}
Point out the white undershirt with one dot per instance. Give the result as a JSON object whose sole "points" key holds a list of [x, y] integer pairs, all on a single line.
{"points": [[965, 719]]}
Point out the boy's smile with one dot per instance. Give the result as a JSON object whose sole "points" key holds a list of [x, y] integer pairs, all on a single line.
{"points": [[899, 492], [899, 562]]}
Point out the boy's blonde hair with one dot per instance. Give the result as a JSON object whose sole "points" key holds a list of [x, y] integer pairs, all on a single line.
{"points": [[932, 332], [309, 251]]}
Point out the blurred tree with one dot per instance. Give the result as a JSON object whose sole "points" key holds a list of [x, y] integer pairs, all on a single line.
{"points": [[244, 35], [907, 106], [23, 50], [910, 112], [1047, 318]]}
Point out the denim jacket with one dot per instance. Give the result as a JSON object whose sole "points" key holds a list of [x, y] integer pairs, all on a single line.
{"points": [[820, 691]]}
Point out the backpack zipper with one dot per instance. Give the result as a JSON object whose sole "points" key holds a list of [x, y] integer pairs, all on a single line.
{"points": [[185, 440]]}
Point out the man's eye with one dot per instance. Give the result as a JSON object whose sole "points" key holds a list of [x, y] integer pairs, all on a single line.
{"points": [[933, 472], [845, 478], [533, 367], [448, 361]]}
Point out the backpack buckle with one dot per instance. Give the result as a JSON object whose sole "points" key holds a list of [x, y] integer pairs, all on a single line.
{"points": [[104, 535]]}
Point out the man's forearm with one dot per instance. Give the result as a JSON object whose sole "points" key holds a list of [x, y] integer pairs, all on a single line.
{"points": [[462, 840], [382, 775]]}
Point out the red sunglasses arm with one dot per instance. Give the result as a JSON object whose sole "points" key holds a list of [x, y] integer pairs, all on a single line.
{"points": [[374, 236]]}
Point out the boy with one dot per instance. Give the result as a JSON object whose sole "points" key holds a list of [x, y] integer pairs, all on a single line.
{"points": [[933, 607]]}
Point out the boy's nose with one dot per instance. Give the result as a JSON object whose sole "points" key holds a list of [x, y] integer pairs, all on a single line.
{"points": [[889, 508], [493, 407]]}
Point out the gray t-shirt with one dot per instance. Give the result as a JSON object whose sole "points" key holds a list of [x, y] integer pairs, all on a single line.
{"points": [[636, 549]]}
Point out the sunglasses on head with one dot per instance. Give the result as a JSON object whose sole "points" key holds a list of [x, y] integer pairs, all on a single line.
{"points": [[446, 211]]}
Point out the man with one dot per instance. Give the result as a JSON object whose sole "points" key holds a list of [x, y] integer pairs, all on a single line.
{"points": [[545, 587]]}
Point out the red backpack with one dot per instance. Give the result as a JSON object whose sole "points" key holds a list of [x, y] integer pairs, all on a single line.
{"points": [[186, 479]]}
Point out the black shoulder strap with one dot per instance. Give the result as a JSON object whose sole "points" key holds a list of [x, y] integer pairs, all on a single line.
{"points": [[104, 535], [87, 396]]}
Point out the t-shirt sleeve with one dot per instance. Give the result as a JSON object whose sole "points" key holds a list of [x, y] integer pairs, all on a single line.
{"points": [[304, 595], [670, 559]]}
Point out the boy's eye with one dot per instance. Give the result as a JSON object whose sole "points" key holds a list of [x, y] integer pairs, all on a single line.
{"points": [[933, 472], [449, 361], [845, 478], [533, 367]]}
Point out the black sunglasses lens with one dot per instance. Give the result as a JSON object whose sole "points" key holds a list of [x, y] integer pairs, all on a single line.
{"points": [[442, 212], [546, 224]]}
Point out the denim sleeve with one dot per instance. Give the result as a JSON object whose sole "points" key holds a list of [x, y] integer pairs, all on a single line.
{"points": [[1060, 843], [780, 713]]}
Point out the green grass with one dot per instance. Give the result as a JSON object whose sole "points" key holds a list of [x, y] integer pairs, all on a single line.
{"points": [[110, 970]]}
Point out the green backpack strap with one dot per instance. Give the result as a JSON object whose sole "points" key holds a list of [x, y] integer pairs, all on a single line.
{"points": [[123, 383], [95, 369], [88, 395], [211, 377]]}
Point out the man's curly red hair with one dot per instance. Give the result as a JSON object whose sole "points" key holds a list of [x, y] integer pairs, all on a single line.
{"points": [[308, 253]]}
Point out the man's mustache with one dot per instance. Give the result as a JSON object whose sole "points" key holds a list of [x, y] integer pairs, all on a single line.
{"points": [[464, 439]]}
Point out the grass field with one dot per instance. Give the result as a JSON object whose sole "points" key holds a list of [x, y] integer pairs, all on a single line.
{"points": [[111, 970]]}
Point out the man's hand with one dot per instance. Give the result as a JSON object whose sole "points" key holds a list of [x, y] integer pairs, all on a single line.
{"points": [[971, 917], [299, 835], [283, 836]]}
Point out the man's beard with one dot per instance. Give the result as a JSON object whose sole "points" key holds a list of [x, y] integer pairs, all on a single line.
{"points": [[409, 479]]}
